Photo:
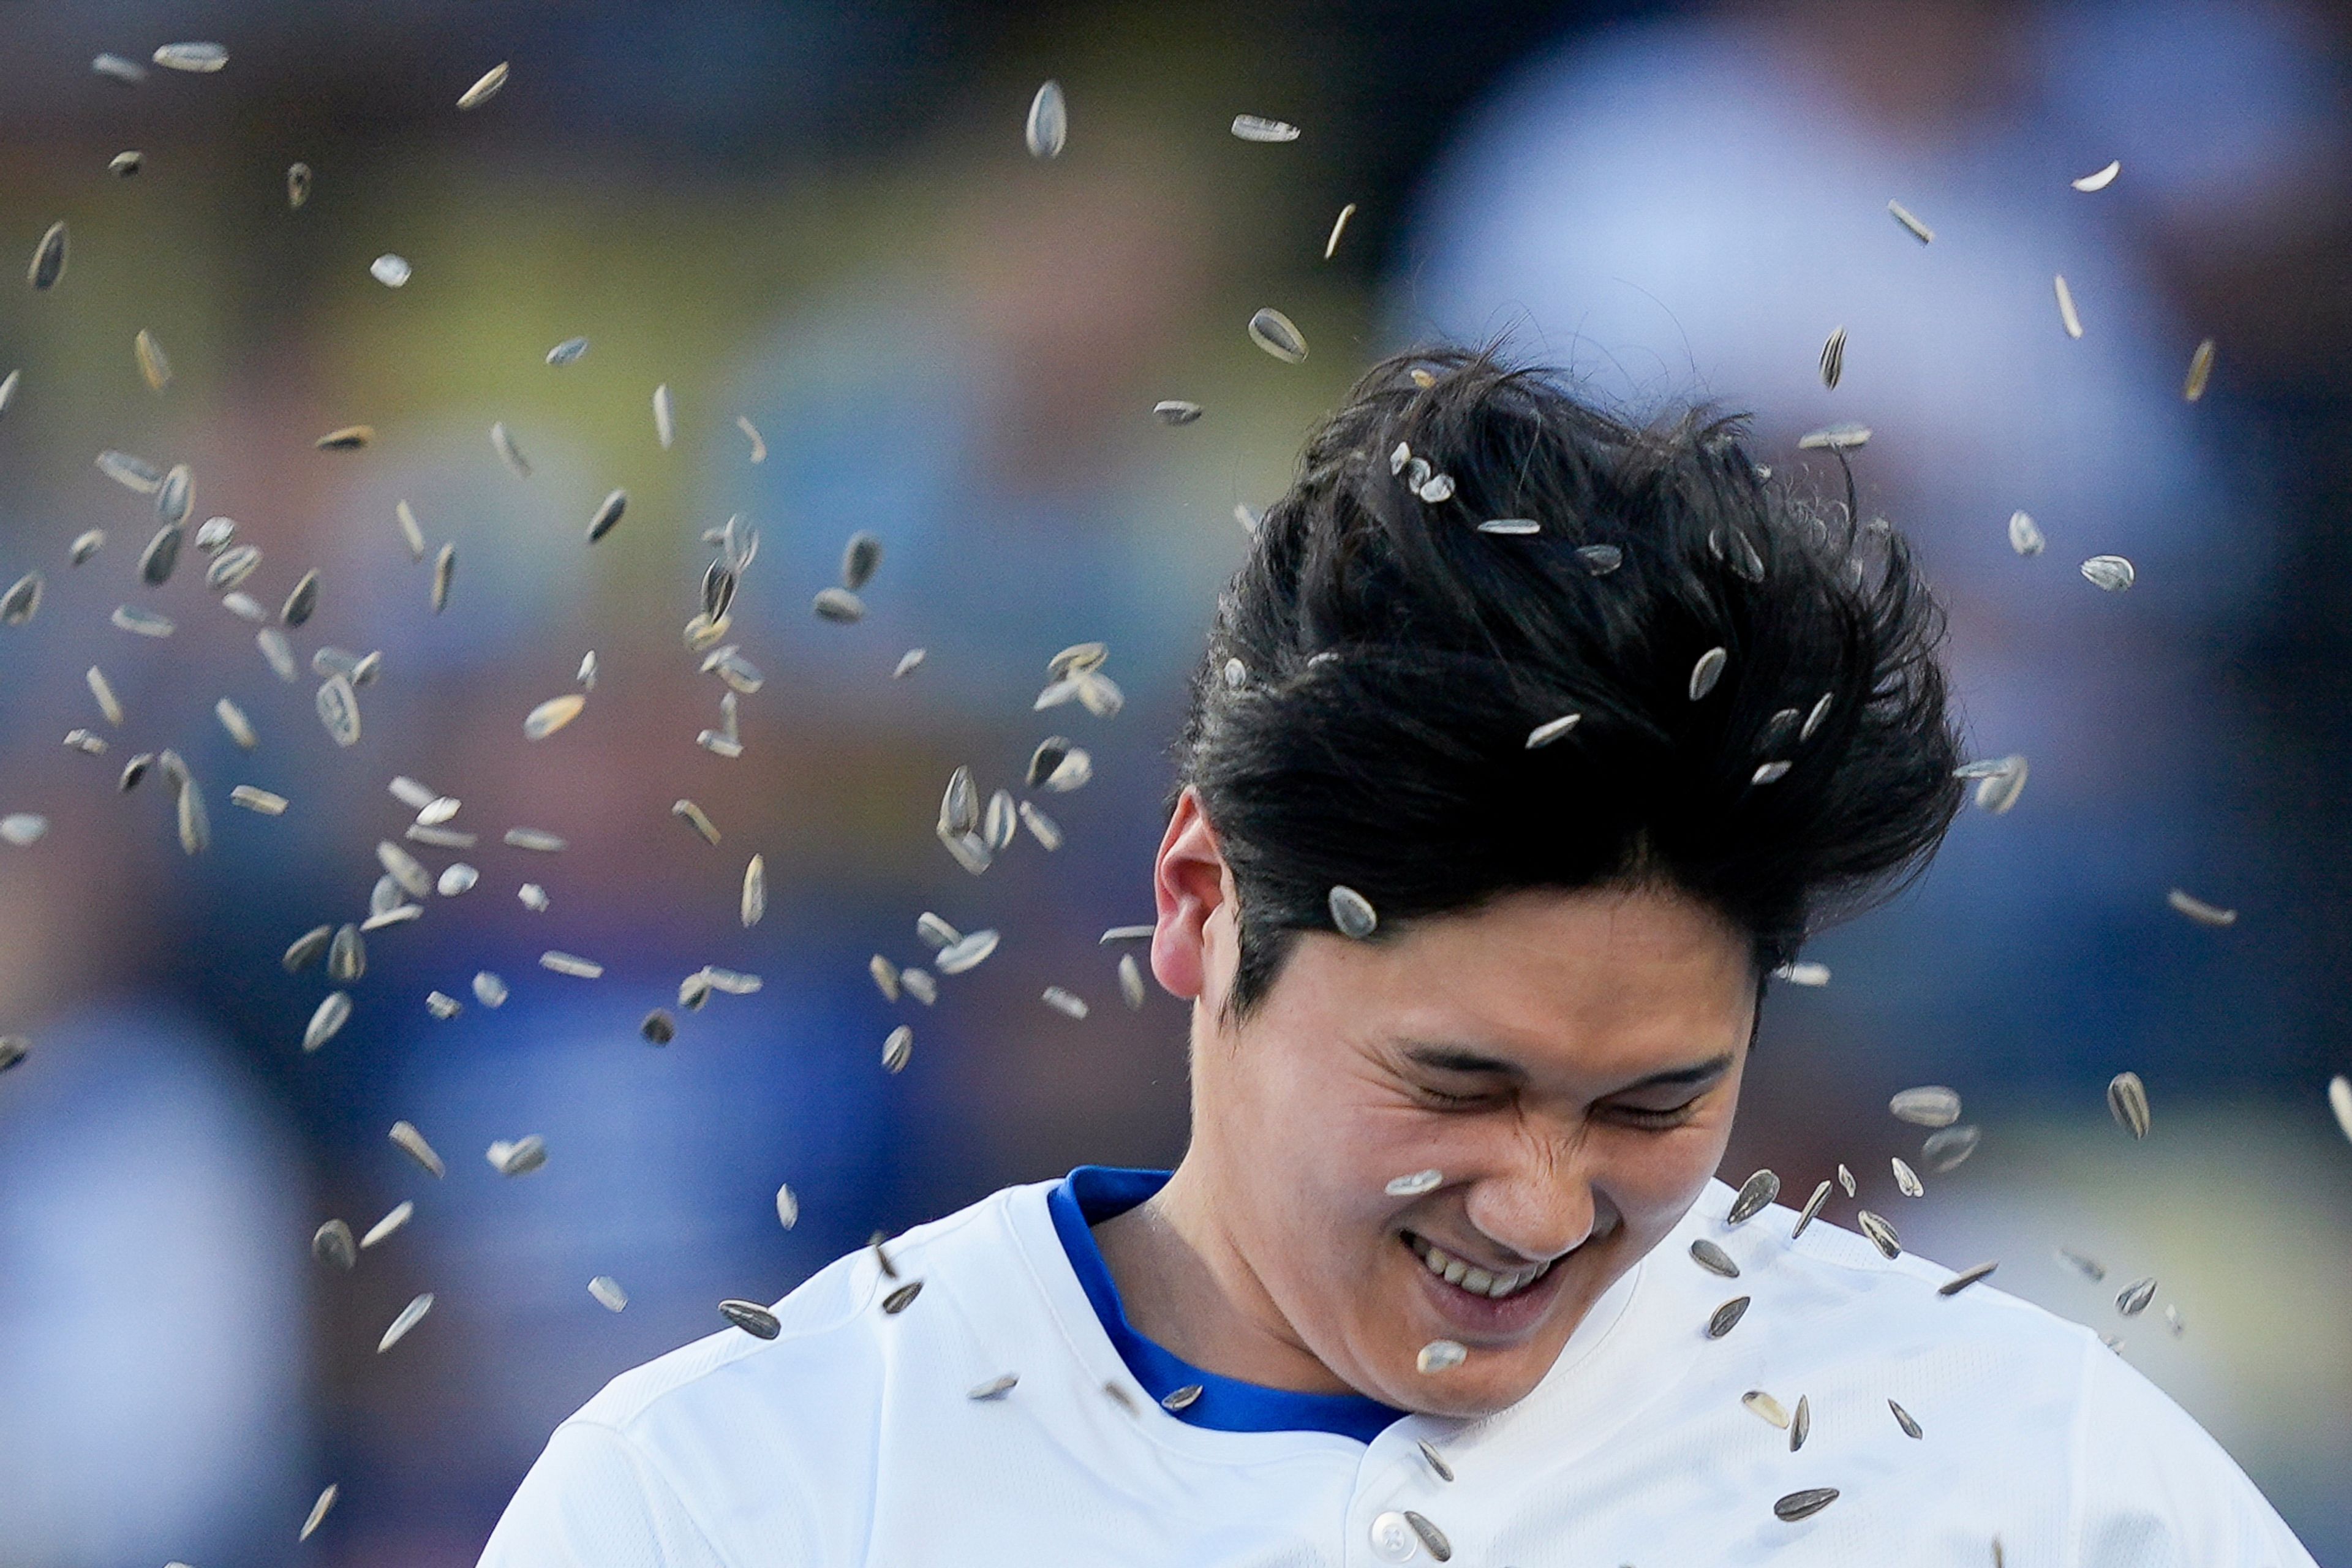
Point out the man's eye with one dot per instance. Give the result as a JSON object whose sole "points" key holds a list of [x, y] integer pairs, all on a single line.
{"points": [[1648, 1120], [1446, 1099]]}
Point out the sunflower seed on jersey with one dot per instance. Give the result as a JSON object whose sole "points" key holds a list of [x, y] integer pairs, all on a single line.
{"points": [[1440, 1355], [346, 955], [484, 87], [1707, 672], [1930, 1105], [154, 364], [2127, 1102], [1430, 1536], [144, 623], [897, 1047], [1725, 1317], [1713, 1258], [898, 1300], [345, 438], [1882, 1235], [965, 953], [508, 453], [1998, 792], [752, 1317], [1278, 335], [1351, 913], [48, 258], [1765, 1405], [571, 963], [331, 1014], [319, 1512], [488, 989], [390, 1225], [1946, 1149], [1966, 1277], [1754, 1193], [994, 1388], [1130, 983], [520, 1158], [2200, 370], [2067, 318], [2201, 912], [1804, 1504], [331, 1244], [567, 352], [1048, 124], [607, 1292], [1833, 359], [1812, 1207]]}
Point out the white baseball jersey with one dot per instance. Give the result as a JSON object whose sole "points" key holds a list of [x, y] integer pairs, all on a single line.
{"points": [[855, 1437]]}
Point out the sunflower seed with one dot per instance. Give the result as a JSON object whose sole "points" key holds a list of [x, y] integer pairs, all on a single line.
{"points": [[1944, 1151], [317, 1512], [1843, 436], [488, 989], [86, 740], [1882, 1235], [571, 963], [2134, 1299], [898, 1300], [752, 1317], [1812, 1207], [440, 837], [755, 890], [484, 87], [533, 838], [2339, 1100], [2200, 370], [306, 948], [886, 976], [1430, 1536], [134, 473], [1256, 128], [751, 433], [958, 956], [1806, 974], [2099, 179], [2112, 573], [1912, 226], [839, 605], [533, 897], [907, 663], [331, 1244], [1278, 335], [390, 270], [1765, 1405], [1413, 1186], [2127, 1102], [551, 715], [144, 623], [2091, 1268], [896, 1049], [1064, 1003], [445, 567], [331, 1014], [608, 1293], [1966, 1277], [231, 567], [195, 825], [1436, 488], [127, 72], [200, 57], [1999, 791], [1931, 1105], [175, 770], [994, 1388], [788, 1207], [1707, 672], [1000, 823], [1906, 1180], [1714, 1259], [1845, 1179], [24, 597], [859, 557], [508, 453], [919, 984], [1725, 1317], [1804, 1504], [297, 185], [389, 1225], [1042, 828], [412, 1143], [1049, 122], [14, 1048], [1130, 983], [1514, 527], [86, 545], [520, 1158], [693, 816], [1754, 1193], [346, 955], [239, 728], [2024, 534], [1833, 359], [48, 258], [567, 352], [1600, 559], [1351, 913], [23, 828], [2201, 912], [1175, 411], [1046, 758], [2066, 316], [103, 689], [346, 438], [658, 1027], [1073, 772], [1338, 228], [1770, 773], [410, 1316], [1440, 1355], [154, 364]]}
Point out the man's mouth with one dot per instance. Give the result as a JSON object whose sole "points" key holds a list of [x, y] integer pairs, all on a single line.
{"points": [[1469, 1276]]}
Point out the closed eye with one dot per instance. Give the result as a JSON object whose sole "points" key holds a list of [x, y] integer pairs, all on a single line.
{"points": [[1644, 1118]]}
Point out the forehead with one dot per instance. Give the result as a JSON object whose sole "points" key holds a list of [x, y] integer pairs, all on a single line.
{"points": [[1599, 978]]}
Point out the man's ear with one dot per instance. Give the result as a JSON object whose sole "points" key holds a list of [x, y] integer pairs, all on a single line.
{"points": [[1190, 885]]}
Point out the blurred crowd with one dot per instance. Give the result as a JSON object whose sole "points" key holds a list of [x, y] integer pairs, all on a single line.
{"points": [[823, 222]]}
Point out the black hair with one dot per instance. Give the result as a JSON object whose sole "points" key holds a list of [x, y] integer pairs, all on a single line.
{"points": [[1383, 661]]}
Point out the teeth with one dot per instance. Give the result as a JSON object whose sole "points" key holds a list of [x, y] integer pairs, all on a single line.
{"points": [[1478, 1281], [1456, 1270]]}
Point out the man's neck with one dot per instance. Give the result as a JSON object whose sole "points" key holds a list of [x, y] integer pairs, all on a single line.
{"points": [[1185, 1284]]}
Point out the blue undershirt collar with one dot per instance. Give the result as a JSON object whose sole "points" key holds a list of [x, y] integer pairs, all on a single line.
{"points": [[1093, 1193]]}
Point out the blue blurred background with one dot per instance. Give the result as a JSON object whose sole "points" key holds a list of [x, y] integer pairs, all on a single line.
{"points": [[823, 219]]}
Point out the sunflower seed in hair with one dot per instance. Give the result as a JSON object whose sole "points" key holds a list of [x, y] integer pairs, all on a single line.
{"points": [[1725, 1317], [533, 838], [48, 258], [2200, 370], [1770, 773], [1600, 559], [2201, 912], [346, 438], [2127, 1102], [520, 1158], [567, 352], [2135, 1296], [346, 955], [1999, 791], [1413, 1186], [1514, 527], [1945, 1150], [571, 963], [1754, 1193], [1435, 489], [319, 1512], [1843, 436], [1257, 128], [1130, 983], [2067, 318], [508, 453], [1833, 359], [1048, 124], [1906, 1180], [1417, 473], [1882, 1235], [1911, 225], [839, 605], [1440, 1355], [898, 1300], [330, 1016], [144, 623], [964, 954], [154, 364], [331, 1244], [390, 1225], [1966, 1277], [1765, 1405], [1707, 672], [1278, 335], [484, 87], [1352, 913], [1175, 411], [1713, 1258], [1812, 1207], [658, 1028], [1930, 1105], [896, 1049]]}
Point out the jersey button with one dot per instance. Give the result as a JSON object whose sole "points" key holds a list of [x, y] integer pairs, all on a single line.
{"points": [[1392, 1538]]}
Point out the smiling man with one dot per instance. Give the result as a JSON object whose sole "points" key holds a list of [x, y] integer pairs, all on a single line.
{"points": [[1528, 744]]}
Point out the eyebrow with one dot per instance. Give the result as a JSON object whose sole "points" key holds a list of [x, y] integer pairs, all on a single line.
{"points": [[1461, 1059]]}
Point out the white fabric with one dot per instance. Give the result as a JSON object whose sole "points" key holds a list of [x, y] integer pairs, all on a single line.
{"points": [[851, 1439]]}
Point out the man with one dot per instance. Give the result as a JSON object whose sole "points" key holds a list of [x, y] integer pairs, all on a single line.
{"points": [[1527, 745]]}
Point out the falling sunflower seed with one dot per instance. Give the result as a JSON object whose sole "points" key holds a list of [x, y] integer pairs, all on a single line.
{"points": [[2090, 1269], [445, 568], [839, 605], [195, 826], [1048, 125], [1440, 1355], [1725, 1317], [2099, 179], [48, 258], [752, 433], [1931, 1105], [1845, 1179], [196, 58], [390, 1225], [752, 1317], [520, 1158], [695, 817], [233, 720], [2066, 316], [1130, 983], [1755, 1193], [607, 1292], [2201, 912], [24, 597], [551, 715], [1278, 335], [1804, 973], [331, 1014], [898, 1300], [331, 1244], [1833, 359], [2200, 370], [23, 828], [1882, 1235], [317, 1512], [566, 352], [2339, 1100], [86, 545], [907, 664], [2135, 1296], [1352, 913], [154, 366], [142, 623], [1945, 1150], [2127, 1102], [607, 515], [1176, 411], [1713, 1258], [571, 963], [307, 947], [297, 185], [1966, 1277], [412, 1142], [859, 558], [1906, 1180], [1707, 672], [508, 453], [1997, 789], [1765, 1405], [349, 438], [896, 1049], [1257, 128], [1804, 1504], [484, 87], [1806, 1215], [115, 67], [346, 955], [2024, 534], [1338, 228], [1912, 226]]}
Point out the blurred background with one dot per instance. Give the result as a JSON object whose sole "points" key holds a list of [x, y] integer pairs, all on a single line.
{"points": [[823, 219]]}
